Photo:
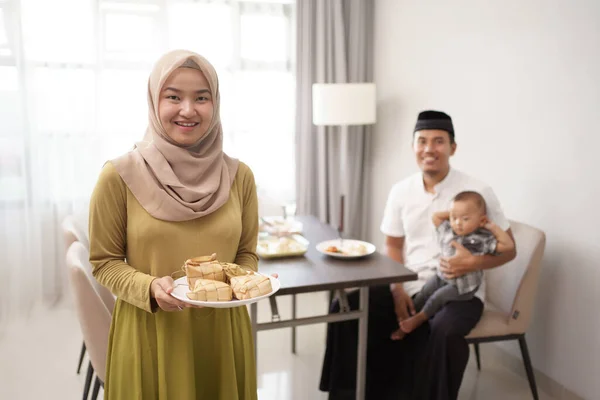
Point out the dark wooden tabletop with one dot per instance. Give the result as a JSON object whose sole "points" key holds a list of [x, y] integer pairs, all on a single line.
{"points": [[316, 272]]}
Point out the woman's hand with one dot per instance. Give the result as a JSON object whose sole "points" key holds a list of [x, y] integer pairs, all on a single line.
{"points": [[160, 289]]}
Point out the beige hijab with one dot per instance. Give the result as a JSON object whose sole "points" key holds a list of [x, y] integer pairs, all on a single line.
{"points": [[174, 182]]}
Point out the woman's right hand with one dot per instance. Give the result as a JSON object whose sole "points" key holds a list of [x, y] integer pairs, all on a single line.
{"points": [[403, 304], [160, 289]]}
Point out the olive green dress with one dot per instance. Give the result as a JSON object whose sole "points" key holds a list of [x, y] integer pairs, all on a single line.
{"points": [[191, 354]]}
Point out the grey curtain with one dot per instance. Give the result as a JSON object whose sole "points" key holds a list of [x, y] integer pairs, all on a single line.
{"points": [[334, 45]]}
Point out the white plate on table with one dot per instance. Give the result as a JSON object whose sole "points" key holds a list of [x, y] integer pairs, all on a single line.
{"points": [[182, 288], [281, 246], [349, 249]]}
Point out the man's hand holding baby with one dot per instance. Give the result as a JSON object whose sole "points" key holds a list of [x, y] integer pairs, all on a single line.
{"points": [[459, 264]]}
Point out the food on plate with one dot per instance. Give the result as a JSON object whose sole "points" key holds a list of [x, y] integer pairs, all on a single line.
{"points": [[355, 249], [232, 270], [211, 270], [250, 286], [201, 259], [211, 280], [332, 249], [280, 245], [208, 290], [349, 249]]}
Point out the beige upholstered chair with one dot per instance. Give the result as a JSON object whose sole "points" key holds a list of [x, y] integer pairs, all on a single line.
{"points": [[76, 237], [510, 295], [74, 231], [82, 255], [94, 317]]}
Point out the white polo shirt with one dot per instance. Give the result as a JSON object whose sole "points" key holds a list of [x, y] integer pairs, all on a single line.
{"points": [[408, 213]]}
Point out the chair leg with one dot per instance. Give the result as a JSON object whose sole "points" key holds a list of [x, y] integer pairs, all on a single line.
{"points": [[528, 367], [88, 381], [96, 389], [477, 356], [81, 354]]}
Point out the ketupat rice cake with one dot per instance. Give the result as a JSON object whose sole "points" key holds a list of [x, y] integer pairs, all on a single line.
{"points": [[250, 286], [207, 290], [208, 280], [232, 270], [209, 270]]}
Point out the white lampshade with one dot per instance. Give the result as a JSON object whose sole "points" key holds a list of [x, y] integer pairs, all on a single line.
{"points": [[343, 103]]}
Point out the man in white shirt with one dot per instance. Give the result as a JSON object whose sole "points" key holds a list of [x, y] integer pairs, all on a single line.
{"points": [[428, 363]]}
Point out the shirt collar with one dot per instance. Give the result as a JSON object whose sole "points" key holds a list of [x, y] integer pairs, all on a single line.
{"points": [[447, 181]]}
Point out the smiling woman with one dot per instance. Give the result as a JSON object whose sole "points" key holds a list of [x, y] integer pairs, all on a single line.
{"points": [[185, 106], [175, 196]]}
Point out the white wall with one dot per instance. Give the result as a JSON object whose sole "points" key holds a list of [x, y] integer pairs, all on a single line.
{"points": [[521, 80]]}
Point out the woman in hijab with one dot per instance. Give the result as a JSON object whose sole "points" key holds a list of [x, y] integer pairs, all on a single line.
{"points": [[175, 196]]}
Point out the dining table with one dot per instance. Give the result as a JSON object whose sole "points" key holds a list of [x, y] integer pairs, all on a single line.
{"points": [[316, 272]]}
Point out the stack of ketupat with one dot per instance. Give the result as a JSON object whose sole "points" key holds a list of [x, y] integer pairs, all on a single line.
{"points": [[211, 280]]}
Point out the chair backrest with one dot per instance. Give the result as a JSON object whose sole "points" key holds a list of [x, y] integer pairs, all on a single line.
{"points": [[94, 317], [74, 231], [512, 288], [268, 207], [81, 256]]}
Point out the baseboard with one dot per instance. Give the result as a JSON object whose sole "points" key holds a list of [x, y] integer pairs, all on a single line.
{"points": [[545, 383]]}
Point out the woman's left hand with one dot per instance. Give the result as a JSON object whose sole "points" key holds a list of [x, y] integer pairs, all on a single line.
{"points": [[161, 289], [459, 264]]}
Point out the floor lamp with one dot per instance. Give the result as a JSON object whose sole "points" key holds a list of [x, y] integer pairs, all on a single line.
{"points": [[343, 105]]}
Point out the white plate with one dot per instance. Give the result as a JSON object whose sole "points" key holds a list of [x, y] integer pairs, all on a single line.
{"points": [[348, 246], [182, 288], [279, 247]]}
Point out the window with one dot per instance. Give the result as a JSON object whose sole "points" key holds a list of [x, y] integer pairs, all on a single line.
{"points": [[78, 96]]}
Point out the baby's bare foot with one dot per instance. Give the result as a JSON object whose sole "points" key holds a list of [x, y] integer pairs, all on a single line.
{"points": [[412, 323], [397, 335]]}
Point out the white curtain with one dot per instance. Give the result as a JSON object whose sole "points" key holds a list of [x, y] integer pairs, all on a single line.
{"points": [[335, 42], [73, 78]]}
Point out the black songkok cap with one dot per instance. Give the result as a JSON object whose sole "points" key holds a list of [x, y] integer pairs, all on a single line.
{"points": [[435, 120]]}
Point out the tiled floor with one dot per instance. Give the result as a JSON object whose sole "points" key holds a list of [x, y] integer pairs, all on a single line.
{"points": [[38, 359]]}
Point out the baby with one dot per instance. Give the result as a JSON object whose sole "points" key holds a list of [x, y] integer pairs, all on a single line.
{"points": [[466, 223]]}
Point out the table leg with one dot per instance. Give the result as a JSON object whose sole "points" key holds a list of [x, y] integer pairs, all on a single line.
{"points": [[254, 322], [361, 367], [293, 328], [343, 300]]}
